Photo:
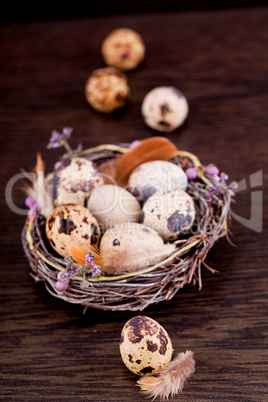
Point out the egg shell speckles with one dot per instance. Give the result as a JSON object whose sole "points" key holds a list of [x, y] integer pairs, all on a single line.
{"points": [[71, 224], [74, 181], [145, 346], [164, 108], [107, 89], [154, 176], [170, 214], [112, 204], [123, 48]]}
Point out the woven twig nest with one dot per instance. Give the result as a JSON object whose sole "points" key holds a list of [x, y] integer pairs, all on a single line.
{"points": [[154, 284]]}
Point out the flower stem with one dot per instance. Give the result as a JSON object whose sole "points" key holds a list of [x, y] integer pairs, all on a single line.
{"points": [[105, 147], [68, 148]]}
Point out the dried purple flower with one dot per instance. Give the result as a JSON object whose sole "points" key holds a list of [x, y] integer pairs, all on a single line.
{"points": [[233, 185], [69, 259], [61, 286], [134, 144], [216, 192], [31, 203], [60, 139], [223, 177], [212, 170], [58, 165], [89, 270], [88, 260], [62, 282], [191, 173], [67, 132], [56, 139], [95, 270], [62, 277]]}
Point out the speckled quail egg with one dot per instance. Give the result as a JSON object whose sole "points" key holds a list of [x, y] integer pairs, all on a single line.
{"points": [[107, 89], [74, 180], [123, 48], [164, 108], [154, 176], [145, 346], [131, 246], [112, 204], [71, 224], [170, 213]]}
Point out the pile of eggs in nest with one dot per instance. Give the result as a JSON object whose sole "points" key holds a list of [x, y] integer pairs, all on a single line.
{"points": [[133, 226]]}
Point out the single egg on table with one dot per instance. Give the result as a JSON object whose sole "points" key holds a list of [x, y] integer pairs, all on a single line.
{"points": [[71, 224], [170, 214], [154, 176], [107, 89], [111, 204], [123, 48], [74, 180], [164, 108], [145, 346]]}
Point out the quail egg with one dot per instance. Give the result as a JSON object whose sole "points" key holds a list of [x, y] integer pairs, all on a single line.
{"points": [[71, 224], [123, 48], [145, 346], [130, 246], [154, 176], [107, 89], [112, 204], [170, 213], [164, 108], [74, 180]]}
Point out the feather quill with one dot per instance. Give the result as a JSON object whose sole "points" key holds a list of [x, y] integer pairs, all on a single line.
{"points": [[40, 182], [43, 197], [38, 190], [154, 148], [171, 380]]}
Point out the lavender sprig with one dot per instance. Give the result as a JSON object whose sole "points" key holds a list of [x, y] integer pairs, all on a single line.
{"points": [[89, 270], [58, 140], [215, 191]]}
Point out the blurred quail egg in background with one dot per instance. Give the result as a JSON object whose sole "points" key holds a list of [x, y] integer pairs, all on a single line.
{"points": [[164, 108], [107, 89], [123, 48], [154, 176], [170, 213]]}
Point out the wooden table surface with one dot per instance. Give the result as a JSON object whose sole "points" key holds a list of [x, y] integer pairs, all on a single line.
{"points": [[50, 351]]}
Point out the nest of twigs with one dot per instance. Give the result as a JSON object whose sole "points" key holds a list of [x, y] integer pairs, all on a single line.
{"points": [[154, 284]]}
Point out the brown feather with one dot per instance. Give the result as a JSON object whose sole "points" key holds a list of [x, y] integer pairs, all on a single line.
{"points": [[171, 380], [154, 148], [108, 171]]}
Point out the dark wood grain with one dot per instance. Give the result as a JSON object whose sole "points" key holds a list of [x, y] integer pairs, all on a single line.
{"points": [[50, 351]]}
